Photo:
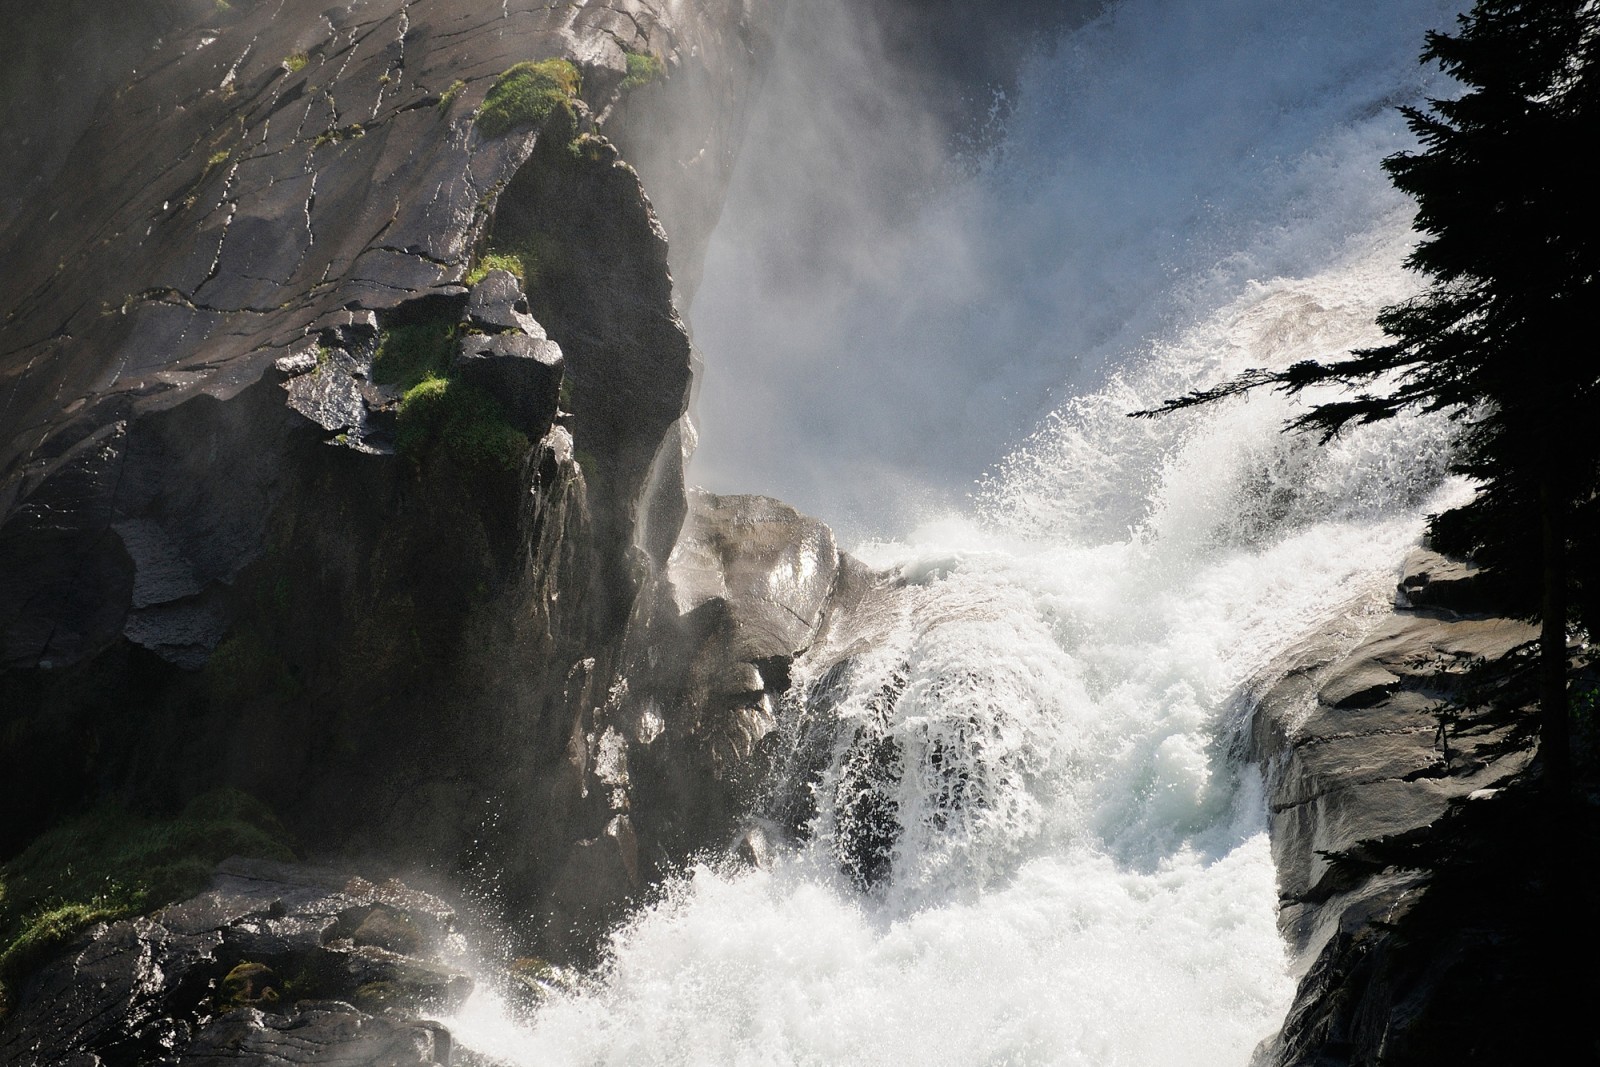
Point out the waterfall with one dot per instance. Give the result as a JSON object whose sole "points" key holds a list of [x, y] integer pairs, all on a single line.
{"points": [[1033, 840]]}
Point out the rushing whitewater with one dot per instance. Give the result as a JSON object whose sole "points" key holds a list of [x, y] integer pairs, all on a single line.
{"points": [[1077, 871]]}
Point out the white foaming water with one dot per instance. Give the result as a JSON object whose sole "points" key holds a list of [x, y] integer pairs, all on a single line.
{"points": [[1079, 872]]}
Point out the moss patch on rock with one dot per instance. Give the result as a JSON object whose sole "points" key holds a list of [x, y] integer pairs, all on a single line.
{"points": [[532, 94], [468, 422], [524, 255], [410, 354], [438, 411], [110, 864], [642, 70]]}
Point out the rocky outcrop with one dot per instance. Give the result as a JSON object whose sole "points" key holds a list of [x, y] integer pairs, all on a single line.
{"points": [[285, 502], [1414, 859], [298, 496], [273, 964]]}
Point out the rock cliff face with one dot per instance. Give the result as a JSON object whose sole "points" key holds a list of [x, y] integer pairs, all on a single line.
{"points": [[284, 501], [1420, 878]]}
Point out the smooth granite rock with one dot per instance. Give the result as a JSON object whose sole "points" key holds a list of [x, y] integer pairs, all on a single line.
{"points": [[1419, 880]]}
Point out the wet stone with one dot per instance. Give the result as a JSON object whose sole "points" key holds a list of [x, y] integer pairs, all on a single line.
{"points": [[497, 305]]}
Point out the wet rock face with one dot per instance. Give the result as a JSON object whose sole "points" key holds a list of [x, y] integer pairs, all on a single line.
{"points": [[666, 762], [263, 171], [274, 964], [752, 577], [235, 543], [1390, 765]]}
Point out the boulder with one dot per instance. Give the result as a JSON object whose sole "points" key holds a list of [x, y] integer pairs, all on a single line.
{"points": [[274, 963], [497, 304], [523, 373]]}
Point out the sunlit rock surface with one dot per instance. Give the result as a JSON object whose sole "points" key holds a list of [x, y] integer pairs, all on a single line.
{"points": [[1411, 855]]}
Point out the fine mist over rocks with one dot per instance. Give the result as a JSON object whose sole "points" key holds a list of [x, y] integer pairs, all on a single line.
{"points": [[1137, 172], [300, 498]]}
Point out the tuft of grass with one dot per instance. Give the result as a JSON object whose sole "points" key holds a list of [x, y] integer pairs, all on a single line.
{"points": [[510, 261], [642, 70], [532, 94], [448, 97], [466, 422], [523, 256], [295, 62], [341, 133], [408, 355], [110, 864]]}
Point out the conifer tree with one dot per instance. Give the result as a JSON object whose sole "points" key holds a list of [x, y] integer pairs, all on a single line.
{"points": [[1503, 338]]}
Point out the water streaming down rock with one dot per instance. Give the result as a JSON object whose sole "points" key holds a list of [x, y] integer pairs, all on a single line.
{"points": [[1025, 833]]}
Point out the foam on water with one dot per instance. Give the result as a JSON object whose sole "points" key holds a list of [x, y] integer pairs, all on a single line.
{"points": [[1097, 888], [1081, 873]]}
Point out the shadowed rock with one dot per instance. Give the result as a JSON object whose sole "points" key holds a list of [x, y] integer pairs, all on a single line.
{"points": [[273, 964], [1387, 751]]}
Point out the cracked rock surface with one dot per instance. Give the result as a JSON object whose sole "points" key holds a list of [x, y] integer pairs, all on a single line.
{"points": [[1411, 855], [273, 964], [284, 501], [256, 175]]}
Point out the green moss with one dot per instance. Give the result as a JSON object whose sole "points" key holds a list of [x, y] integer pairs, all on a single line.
{"points": [[448, 97], [341, 133], [496, 261], [296, 62], [525, 256], [437, 411], [247, 666], [408, 355], [466, 422], [249, 985], [642, 70], [217, 158], [532, 94], [110, 864]]}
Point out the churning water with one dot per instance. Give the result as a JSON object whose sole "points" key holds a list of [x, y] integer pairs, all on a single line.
{"points": [[1080, 873]]}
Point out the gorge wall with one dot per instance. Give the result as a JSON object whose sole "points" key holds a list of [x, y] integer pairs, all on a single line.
{"points": [[299, 497], [286, 506], [1424, 886]]}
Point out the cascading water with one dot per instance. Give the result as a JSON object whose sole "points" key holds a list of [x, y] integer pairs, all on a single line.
{"points": [[1032, 840]]}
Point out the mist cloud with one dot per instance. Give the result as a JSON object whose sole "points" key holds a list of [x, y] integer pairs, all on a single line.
{"points": [[884, 316]]}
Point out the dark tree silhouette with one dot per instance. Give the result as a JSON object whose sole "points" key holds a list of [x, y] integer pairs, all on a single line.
{"points": [[1503, 338]]}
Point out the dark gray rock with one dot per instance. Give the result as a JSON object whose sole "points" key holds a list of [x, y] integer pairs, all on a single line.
{"points": [[1430, 580], [1403, 832], [752, 577], [1357, 749], [523, 373], [165, 988], [497, 304], [316, 1033]]}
